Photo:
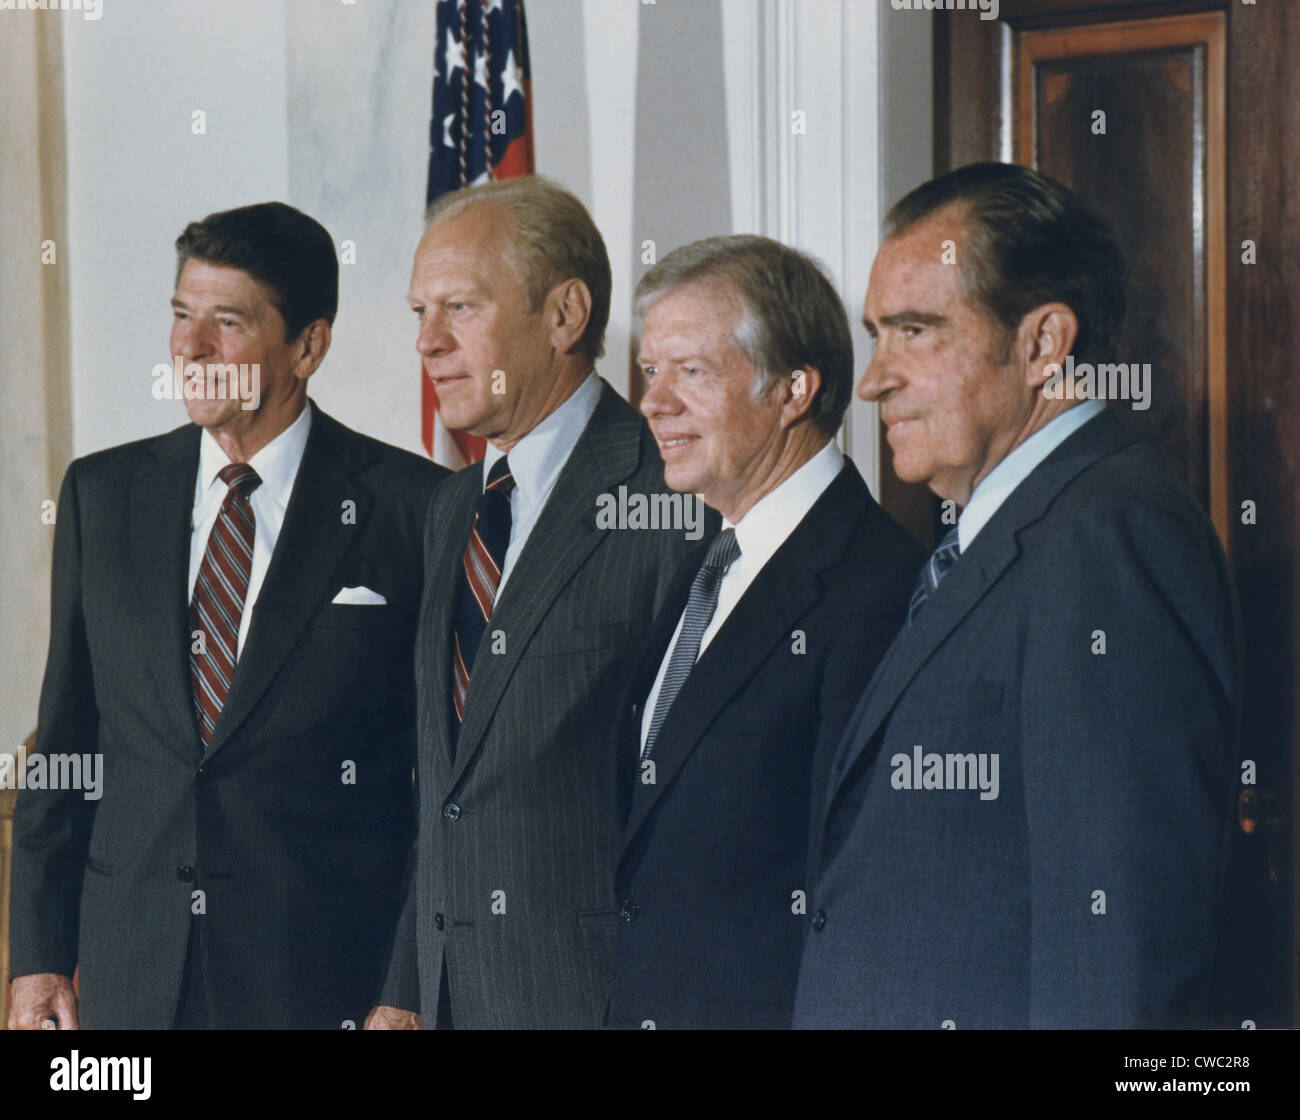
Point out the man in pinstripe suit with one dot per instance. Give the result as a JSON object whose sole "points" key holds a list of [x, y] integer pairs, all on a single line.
{"points": [[531, 617]]}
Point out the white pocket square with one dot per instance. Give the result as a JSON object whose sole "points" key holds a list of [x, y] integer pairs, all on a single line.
{"points": [[359, 597]]}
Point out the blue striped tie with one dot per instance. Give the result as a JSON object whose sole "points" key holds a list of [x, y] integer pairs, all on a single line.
{"points": [[700, 606], [934, 569]]}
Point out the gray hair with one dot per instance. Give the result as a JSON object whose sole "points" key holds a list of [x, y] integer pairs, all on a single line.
{"points": [[790, 314], [550, 237]]}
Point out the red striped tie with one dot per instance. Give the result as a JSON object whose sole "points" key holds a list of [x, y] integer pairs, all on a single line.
{"points": [[219, 595], [485, 553]]}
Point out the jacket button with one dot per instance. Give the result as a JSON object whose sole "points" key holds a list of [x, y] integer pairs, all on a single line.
{"points": [[630, 910], [819, 921], [439, 922], [451, 812], [185, 874]]}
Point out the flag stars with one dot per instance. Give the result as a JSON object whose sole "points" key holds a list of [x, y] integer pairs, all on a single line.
{"points": [[481, 72], [453, 57], [511, 78]]}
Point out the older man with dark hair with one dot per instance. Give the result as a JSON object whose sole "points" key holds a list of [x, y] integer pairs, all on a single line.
{"points": [[232, 627], [1027, 816], [746, 681]]}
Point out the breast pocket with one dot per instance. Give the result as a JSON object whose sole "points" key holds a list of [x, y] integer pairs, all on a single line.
{"points": [[344, 617]]}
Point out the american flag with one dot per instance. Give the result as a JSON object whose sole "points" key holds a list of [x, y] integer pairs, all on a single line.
{"points": [[482, 128]]}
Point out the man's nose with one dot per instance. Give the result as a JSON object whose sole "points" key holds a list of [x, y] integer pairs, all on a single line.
{"points": [[191, 338], [878, 378], [434, 338], [658, 398]]}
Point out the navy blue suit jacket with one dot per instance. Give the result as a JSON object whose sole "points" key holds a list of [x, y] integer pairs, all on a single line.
{"points": [[1087, 892], [712, 869]]}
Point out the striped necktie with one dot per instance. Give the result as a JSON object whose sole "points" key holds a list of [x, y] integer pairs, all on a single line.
{"points": [[219, 594], [480, 576], [700, 606], [934, 569]]}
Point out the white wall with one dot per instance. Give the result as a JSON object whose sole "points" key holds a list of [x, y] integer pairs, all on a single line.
{"points": [[670, 120], [137, 174]]}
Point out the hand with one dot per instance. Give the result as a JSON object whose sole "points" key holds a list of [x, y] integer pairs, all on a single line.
{"points": [[43, 1000], [392, 1019]]}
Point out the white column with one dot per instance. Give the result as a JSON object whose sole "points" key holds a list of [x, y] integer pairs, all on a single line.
{"points": [[813, 182]]}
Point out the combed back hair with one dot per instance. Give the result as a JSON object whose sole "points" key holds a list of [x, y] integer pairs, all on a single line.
{"points": [[790, 314], [291, 254], [550, 237], [1028, 241]]}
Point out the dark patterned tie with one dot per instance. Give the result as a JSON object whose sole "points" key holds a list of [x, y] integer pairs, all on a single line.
{"points": [[700, 606], [480, 576], [219, 594], [934, 569]]}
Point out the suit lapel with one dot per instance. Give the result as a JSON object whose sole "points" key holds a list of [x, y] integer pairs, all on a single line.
{"points": [[161, 512], [312, 542], [786, 588], [624, 757], [993, 551], [607, 452]]}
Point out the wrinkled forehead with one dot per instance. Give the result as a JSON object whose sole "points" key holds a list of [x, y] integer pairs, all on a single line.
{"points": [[919, 266], [694, 316]]}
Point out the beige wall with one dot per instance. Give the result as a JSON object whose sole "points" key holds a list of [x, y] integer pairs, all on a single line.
{"points": [[35, 425]]}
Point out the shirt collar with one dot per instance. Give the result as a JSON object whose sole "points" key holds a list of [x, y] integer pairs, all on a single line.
{"points": [[276, 463], [536, 460], [999, 483], [772, 519]]}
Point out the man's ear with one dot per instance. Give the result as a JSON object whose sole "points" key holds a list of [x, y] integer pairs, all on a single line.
{"points": [[1046, 336], [311, 347], [798, 391], [568, 307]]}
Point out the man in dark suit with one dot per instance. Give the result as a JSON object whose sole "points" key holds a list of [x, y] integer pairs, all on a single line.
{"points": [[769, 634], [1027, 815], [233, 619], [536, 602]]}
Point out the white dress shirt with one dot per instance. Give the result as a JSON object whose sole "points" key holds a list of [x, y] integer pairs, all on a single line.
{"points": [[999, 483], [762, 530], [277, 466], [536, 462]]}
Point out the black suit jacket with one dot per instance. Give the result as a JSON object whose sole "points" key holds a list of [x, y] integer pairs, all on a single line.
{"points": [[1088, 642], [715, 845], [300, 869], [513, 891]]}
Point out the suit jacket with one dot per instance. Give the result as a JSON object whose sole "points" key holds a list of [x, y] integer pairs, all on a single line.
{"points": [[513, 889], [297, 868], [1088, 643], [715, 847]]}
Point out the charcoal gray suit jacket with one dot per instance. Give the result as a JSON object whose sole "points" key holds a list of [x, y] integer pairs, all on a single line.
{"points": [[297, 871], [513, 888]]}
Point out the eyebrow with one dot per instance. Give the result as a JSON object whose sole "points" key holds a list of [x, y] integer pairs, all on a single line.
{"points": [[899, 318], [682, 359], [220, 309]]}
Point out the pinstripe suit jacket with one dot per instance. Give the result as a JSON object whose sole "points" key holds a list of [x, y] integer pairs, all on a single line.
{"points": [[300, 871], [513, 888]]}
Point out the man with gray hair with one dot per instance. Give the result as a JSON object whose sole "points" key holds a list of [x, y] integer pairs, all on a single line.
{"points": [[769, 633], [533, 611]]}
